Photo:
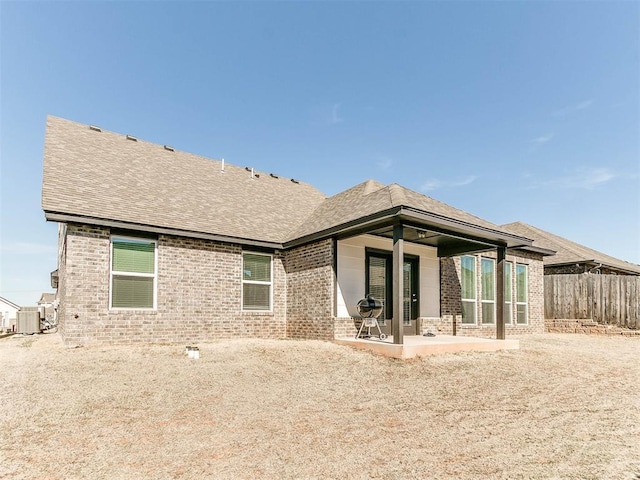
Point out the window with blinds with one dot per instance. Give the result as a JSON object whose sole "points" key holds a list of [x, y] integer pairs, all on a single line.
{"points": [[256, 281], [133, 273], [378, 284]]}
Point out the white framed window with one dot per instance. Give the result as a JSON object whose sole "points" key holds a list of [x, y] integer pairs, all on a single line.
{"points": [[522, 285], [257, 282], [133, 273], [488, 288], [469, 291], [508, 293]]}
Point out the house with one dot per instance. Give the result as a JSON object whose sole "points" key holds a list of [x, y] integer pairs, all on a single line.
{"points": [[571, 257], [47, 306], [8, 312], [585, 289], [159, 245]]}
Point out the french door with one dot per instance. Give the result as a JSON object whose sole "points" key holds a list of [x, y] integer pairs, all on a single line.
{"points": [[379, 283]]}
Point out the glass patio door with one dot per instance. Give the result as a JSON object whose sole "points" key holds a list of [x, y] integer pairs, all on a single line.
{"points": [[380, 284]]}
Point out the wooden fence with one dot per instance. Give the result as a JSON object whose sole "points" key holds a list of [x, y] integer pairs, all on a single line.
{"points": [[606, 299]]}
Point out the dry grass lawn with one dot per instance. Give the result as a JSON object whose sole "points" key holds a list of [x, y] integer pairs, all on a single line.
{"points": [[564, 406]]}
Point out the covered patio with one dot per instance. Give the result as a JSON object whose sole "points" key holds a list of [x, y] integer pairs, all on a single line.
{"points": [[386, 233], [421, 346]]}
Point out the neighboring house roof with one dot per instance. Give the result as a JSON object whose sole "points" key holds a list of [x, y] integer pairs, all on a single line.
{"points": [[47, 298], [9, 303], [569, 252], [102, 177]]}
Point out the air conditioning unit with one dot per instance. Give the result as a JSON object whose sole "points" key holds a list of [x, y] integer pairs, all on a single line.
{"points": [[28, 320]]}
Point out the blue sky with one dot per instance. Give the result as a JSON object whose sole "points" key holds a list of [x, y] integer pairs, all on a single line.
{"points": [[512, 111]]}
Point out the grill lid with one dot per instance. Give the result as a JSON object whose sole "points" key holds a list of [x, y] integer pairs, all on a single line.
{"points": [[369, 307]]}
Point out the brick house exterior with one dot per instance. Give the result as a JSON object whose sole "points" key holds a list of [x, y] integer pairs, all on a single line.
{"points": [[451, 320], [303, 260]]}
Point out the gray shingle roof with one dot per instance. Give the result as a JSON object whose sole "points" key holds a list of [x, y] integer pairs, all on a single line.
{"points": [[93, 175], [567, 251], [104, 175], [372, 197]]}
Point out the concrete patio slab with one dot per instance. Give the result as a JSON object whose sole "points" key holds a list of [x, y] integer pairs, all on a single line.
{"points": [[420, 346]]}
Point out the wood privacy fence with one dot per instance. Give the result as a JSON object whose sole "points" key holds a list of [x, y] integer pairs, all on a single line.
{"points": [[606, 299]]}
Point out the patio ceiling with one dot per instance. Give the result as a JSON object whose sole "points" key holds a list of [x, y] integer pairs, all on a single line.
{"points": [[447, 244]]}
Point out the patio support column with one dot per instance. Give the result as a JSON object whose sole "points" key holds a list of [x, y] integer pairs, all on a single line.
{"points": [[500, 329], [398, 287]]}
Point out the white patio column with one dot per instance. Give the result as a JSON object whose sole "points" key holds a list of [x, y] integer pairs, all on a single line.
{"points": [[398, 286]]}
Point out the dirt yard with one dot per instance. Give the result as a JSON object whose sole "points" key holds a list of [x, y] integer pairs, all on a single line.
{"points": [[564, 406]]}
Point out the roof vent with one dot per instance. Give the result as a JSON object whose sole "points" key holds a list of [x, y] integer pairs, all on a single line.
{"points": [[273, 175], [94, 128], [294, 180], [131, 137], [167, 147], [248, 169]]}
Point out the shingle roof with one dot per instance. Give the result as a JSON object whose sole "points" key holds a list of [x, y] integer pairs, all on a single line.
{"points": [[372, 197], [47, 298], [9, 302], [92, 175], [567, 251], [104, 175]]}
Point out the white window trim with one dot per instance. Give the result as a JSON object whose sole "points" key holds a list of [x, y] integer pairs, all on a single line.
{"points": [[526, 291], [134, 274], [475, 291], [483, 301], [256, 282], [509, 286]]}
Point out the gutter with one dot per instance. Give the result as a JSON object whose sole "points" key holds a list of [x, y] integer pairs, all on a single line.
{"points": [[136, 227]]}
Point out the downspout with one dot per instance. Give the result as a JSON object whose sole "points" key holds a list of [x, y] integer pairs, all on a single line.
{"points": [[594, 268]]}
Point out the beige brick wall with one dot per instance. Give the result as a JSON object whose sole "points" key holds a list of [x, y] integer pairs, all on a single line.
{"points": [[310, 291], [451, 305], [198, 294]]}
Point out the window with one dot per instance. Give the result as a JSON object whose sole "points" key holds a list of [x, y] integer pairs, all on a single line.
{"points": [[378, 285], [133, 273], [468, 272], [521, 293], [488, 279], [256, 282], [508, 295]]}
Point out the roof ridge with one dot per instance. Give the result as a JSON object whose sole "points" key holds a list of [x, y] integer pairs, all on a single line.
{"points": [[371, 186], [397, 195]]}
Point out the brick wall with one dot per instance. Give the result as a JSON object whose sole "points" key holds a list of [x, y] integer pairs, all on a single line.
{"points": [[310, 284], [451, 304], [198, 294], [588, 326]]}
